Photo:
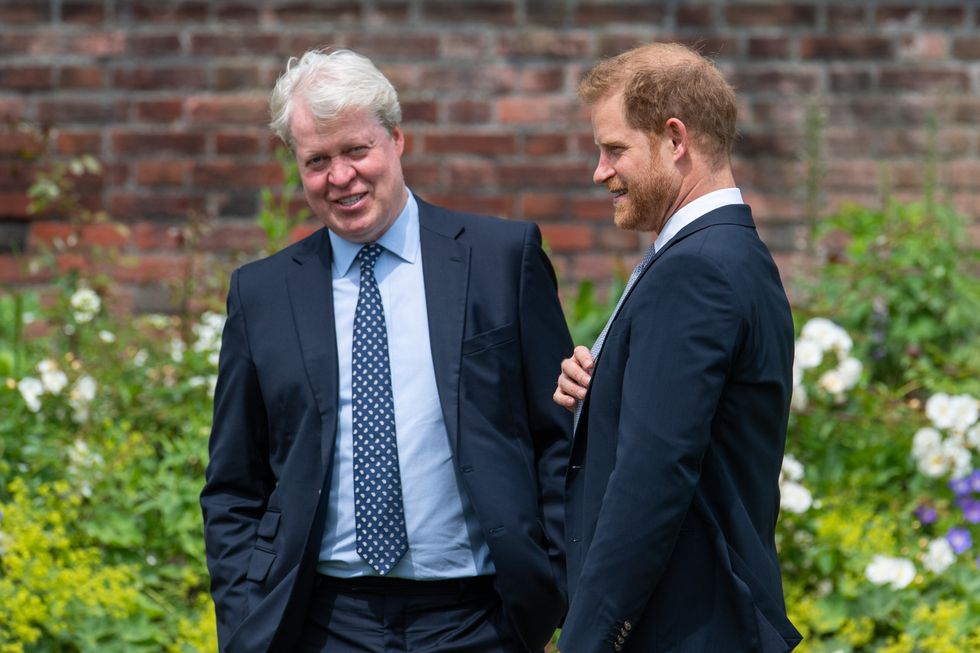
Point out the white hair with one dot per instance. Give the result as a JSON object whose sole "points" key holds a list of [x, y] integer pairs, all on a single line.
{"points": [[331, 83]]}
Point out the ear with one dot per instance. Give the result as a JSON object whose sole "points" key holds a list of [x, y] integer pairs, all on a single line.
{"points": [[676, 131], [398, 136]]}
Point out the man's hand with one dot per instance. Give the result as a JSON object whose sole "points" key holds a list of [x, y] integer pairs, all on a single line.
{"points": [[574, 378]]}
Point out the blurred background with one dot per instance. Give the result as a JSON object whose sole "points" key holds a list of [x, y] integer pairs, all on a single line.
{"points": [[138, 171]]}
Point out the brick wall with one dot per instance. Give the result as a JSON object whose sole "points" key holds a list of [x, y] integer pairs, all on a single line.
{"points": [[171, 97]]}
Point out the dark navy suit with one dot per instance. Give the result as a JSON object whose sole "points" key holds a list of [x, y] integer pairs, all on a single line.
{"points": [[672, 491], [497, 336]]}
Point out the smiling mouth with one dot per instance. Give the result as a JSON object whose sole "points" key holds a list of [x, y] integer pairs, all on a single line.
{"points": [[350, 200]]}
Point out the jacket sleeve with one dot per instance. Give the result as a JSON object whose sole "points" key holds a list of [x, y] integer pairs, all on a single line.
{"points": [[238, 478], [684, 326], [545, 341]]}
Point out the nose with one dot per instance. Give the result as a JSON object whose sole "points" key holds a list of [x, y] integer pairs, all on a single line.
{"points": [[341, 173], [603, 171]]}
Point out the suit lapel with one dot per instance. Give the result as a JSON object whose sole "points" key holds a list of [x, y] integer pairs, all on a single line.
{"points": [[445, 269], [310, 289]]}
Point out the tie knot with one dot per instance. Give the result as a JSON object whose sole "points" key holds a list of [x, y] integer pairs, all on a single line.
{"points": [[368, 256]]}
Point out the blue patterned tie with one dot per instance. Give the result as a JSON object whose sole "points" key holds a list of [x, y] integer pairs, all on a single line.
{"points": [[379, 515], [597, 346]]}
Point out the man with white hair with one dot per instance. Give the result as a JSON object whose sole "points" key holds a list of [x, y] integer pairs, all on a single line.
{"points": [[386, 464]]}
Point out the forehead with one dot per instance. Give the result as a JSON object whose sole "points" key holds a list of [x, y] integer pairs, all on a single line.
{"points": [[351, 125], [609, 120]]}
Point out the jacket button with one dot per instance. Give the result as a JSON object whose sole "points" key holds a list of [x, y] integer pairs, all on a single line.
{"points": [[618, 647], [627, 626]]}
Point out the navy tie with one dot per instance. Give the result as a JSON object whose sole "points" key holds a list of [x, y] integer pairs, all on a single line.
{"points": [[379, 514]]}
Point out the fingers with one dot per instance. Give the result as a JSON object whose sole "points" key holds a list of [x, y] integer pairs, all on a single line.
{"points": [[573, 382]]}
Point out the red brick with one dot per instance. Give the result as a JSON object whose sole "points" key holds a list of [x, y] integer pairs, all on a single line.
{"points": [[769, 47], [337, 12], [24, 13], [796, 81], [15, 43], [593, 14], [593, 208], [501, 206], [225, 44], [923, 47], [90, 13], [224, 110], [238, 143], [478, 80], [851, 80], [22, 142], [81, 77], [153, 44], [26, 78], [14, 205], [18, 174], [236, 204], [967, 47], [913, 16], [423, 174], [13, 269], [78, 142], [162, 173], [465, 46], [545, 144], [772, 208], [468, 112], [546, 44], [230, 237], [11, 110], [846, 47], [694, 16], [618, 240], [847, 17], [98, 44], [105, 234], [158, 110], [402, 45], [157, 268], [566, 238], [548, 110], [148, 205], [237, 175], [238, 13], [157, 143], [425, 111], [771, 15], [192, 12], [711, 47], [924, 79], [388, 11], [46, 233], [472, 174], [545, 206], [469, 143], [475, 11], [543, 80], [557, 175], [153, 235], [81, 111], [553, 13], [165, 78]]}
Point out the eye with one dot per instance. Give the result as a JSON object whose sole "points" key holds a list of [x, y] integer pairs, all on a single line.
{"points": [[315, 162], [357, 150]]}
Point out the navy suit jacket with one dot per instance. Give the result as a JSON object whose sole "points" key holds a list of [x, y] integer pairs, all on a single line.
{"points": [[497, 335], [672, 488]]}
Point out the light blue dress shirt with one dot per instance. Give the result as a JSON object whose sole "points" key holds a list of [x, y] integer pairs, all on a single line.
{"points": [[444, 537]]}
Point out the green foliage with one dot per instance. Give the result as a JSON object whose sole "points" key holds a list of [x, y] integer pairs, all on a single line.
{"points": [[276, 216], [587, 314], [905, 279]]}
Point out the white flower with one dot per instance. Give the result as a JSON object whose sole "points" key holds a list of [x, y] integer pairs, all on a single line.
{"points": [[808, 353], [896, 572], [86, 303], [792, 468], [53, 379], [107, 337], [799, 400], [958, 458], [81, 395], [80, 456], [795, 498], [140, 357], [973, 437], [31, 390], [833, 383], [934, 463], [177, 349], [926, 441], [829, 336], [964, 411], [850, 372], [938, 556], [208, 332], [939, 410]]}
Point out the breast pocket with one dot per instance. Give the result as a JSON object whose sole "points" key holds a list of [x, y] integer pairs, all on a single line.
{"points": [[489, 339]]}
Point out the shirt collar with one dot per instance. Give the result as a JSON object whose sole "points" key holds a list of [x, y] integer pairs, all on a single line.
{"points": [[691, 212], [401, 239]]}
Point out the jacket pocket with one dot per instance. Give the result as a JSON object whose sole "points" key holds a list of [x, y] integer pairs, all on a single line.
{"points": [[259, 565], [269, 525], [488, 339]]}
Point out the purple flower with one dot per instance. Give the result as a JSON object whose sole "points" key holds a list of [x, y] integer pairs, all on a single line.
{"points": [[971, 511], [925, 513], [975, 480], [959, 539], [960, 486]]}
